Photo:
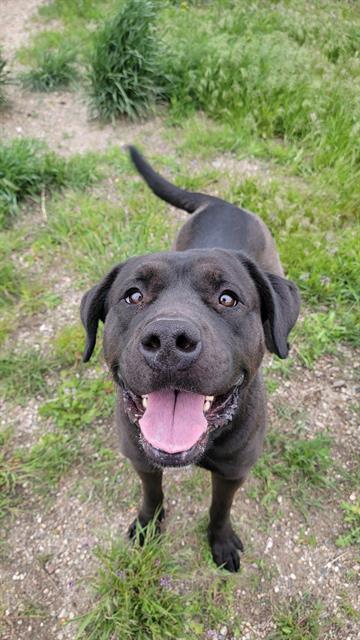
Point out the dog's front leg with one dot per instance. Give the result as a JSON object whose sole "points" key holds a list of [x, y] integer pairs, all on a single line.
{"points": [[225, 544], [152, 501]]}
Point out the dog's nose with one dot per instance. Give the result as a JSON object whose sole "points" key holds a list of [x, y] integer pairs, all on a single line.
{"points": [[170, 344]]}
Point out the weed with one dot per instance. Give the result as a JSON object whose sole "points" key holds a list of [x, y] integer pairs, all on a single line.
{"points": [[298, 620], [352, 521], [52, 70], [124, 71], [78, 402]]}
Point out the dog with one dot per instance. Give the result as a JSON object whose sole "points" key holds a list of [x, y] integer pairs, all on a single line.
{"points": [[184, 337]]}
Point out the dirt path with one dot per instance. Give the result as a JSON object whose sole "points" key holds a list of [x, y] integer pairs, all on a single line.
{"points": [[16, 24], [61, 120]]}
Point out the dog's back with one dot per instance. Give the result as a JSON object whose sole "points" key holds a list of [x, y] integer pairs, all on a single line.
{"points": [[215, 223]]}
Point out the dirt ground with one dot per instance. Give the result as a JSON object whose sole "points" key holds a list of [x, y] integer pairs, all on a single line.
{"points": [[47, 554]]}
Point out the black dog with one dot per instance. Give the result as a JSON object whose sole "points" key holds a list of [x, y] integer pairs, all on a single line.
{"points": [[185, 334]]}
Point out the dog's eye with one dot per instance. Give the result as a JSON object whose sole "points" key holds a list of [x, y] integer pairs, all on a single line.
{"points": [[133, 296], [228, 299]]}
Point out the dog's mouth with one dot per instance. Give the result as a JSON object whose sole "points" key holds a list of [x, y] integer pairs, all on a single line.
{"points": [[175, 425]]}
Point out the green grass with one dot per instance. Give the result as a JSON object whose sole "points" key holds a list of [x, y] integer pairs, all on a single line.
{"points": [[74, 12], [299, 620], [49, 459], [294, 466], [78, 402], [4, 80], [27, 168], [135, 594], [74, 222], [124, 72], [23, 375], [352, 524], [320, 333], [145, 594], [52, 69], [8, 474], [69, 345]]}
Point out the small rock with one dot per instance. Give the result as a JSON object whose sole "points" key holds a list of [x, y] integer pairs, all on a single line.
{"points": [[338, 384], [50, 568]]}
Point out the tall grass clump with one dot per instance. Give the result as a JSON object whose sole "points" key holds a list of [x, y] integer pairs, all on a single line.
{"points": [[28, 168], [52, 69], [124, 64], [136, 594]]}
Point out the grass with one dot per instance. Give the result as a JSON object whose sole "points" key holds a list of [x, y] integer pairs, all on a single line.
{"points": [[52, 69], [83, 10], [69, 345], [8, 478], [146, 595], [135, 594], [352, 523], [75, 219], [293, 465], [4, 80], [124, 72], [77, 403], [320, 333], [27, 168], [23, 375], [298, 620]]}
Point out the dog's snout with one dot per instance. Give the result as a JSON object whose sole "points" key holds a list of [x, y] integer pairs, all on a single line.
{"points": [[170, 344]]}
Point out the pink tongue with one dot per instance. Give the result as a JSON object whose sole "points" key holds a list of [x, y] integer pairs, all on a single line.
{"points": [[173, 423]]}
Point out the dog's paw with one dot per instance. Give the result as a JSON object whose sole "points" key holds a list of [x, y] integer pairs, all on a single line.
{"points": [[225, 550], [142, 529]]}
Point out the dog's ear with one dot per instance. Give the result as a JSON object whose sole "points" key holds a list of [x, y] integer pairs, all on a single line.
{"points": [[280, 306], [94, 307]]}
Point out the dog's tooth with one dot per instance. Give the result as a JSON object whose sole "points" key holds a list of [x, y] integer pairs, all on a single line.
{"points": [[144, 401], [207, 405], [209, 398]]}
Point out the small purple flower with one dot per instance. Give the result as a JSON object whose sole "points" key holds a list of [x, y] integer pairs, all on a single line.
{"points": [[165, 581], [71, 584], [120, 574]]}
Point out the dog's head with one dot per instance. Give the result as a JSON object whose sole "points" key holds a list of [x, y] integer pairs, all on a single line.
{"points": [[185, 333]]}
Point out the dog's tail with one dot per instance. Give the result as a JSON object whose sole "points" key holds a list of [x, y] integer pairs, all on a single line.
{"points": [[179, 198]]}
